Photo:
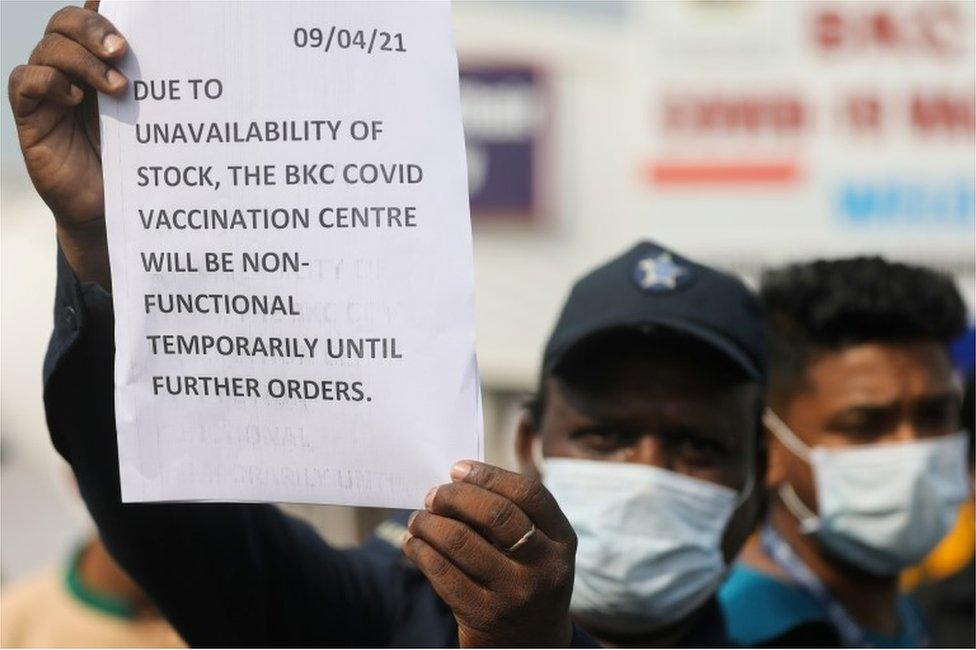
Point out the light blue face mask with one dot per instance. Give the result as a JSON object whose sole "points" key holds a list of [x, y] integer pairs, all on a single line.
{"points": [[650, 540], [882, 507]]}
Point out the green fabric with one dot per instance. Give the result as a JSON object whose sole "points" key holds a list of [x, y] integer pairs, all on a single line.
{"points": [[99, 600]]}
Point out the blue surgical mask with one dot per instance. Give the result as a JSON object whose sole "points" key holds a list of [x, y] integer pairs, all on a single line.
{"points": [[650, 541], [882, 507]]}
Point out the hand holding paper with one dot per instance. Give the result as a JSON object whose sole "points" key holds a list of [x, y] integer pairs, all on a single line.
{"points": [[499, 551], [53, 99]]}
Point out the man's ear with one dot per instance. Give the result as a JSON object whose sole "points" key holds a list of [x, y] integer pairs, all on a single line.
{"points": [[526, 439]]}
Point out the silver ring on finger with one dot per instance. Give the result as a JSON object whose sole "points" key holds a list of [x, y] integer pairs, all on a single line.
{"points": [[521, 541]]}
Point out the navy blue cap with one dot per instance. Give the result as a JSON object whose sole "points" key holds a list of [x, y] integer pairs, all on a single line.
{"points": [[650, 285]]}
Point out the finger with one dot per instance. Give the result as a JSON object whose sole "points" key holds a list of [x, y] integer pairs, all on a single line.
{"points": [[495, 517], [78, 63], [29, 85], [466, 549], [89, 29], [529, 494], [454, 588]]}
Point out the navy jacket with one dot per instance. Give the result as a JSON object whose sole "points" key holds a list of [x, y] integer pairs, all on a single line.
{"points": [[224, 574]]}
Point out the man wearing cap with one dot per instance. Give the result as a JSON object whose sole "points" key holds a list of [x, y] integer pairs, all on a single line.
{"points": [[645, 430], [867, 463]]}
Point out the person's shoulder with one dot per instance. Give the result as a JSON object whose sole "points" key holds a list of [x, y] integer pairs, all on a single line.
{"points": [[31, 590], [763, 610], [25, 601]]}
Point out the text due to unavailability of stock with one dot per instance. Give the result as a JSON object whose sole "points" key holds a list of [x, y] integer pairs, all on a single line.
{"points": [[288, 227]]}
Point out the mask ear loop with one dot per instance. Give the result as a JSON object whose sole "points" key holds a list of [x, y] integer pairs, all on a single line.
{"points": [[746, 491], [785, 435], [809, 520]]}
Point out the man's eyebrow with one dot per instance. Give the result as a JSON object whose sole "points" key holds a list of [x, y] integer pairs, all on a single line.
{"points": [[869, 407], [598, 427], [870, 411], [946, 395], [892, 408], [675, 430], [686, 430], [597, 423], [951, 399]]}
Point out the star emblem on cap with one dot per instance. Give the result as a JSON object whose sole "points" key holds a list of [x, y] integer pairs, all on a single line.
{"points": [[660, 273]]}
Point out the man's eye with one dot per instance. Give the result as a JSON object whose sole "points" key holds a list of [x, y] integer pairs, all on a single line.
{"points": [[863, 433], [602, 440], [937, 418], [867, 425], [699, 452]]}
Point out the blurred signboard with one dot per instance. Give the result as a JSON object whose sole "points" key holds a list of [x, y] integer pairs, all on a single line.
{"points": [[810, 127], [504, 110]]}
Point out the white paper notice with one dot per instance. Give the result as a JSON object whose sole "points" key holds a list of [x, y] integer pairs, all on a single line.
{"points": [[288, 225]]}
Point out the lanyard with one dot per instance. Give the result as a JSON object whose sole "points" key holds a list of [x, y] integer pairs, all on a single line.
{"points": [[851, 634]]}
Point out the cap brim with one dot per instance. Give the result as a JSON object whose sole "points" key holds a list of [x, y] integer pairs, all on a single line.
{"points": [[712, 339]]}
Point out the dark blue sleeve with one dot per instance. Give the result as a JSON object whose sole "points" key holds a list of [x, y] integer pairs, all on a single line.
{"points": [[223, 574], [582, 640]]}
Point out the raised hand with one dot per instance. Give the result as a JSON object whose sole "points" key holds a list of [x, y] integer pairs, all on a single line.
{"points": [[499, 551], [54, 102]]}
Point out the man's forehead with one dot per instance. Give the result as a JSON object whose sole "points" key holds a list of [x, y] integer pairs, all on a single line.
{"points": [[880, 373], [648, 365], [718, 414]]}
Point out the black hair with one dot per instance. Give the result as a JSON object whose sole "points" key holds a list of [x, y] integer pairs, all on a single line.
{"points": [[830, 304]]}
